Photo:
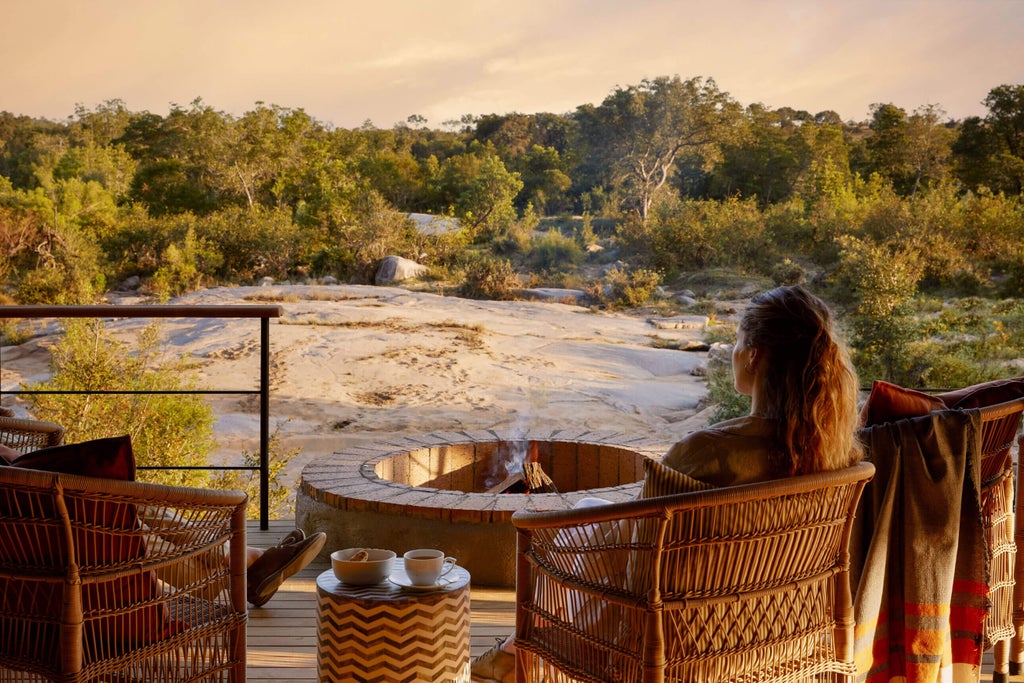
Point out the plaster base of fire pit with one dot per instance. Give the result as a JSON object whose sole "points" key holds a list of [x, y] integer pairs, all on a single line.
{"points": [[421, 491]]}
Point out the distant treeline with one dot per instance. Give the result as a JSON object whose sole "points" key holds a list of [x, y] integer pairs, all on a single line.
{"points": [[675, 173]]}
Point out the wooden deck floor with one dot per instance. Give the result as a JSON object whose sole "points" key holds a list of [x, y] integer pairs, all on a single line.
{"points": [[282, 633]]}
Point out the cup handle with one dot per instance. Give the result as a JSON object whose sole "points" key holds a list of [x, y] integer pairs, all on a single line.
{"points": [[447, 565]]}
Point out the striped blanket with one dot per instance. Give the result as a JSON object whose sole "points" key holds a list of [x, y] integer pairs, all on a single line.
{"points": [[922, 595]]}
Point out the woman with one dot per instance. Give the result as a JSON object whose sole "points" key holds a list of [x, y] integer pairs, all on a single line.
{"points": [[803, 413], [803, 391]]}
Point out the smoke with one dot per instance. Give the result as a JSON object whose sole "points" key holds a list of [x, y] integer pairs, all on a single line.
{"points": [[511, 454], [508, 459]]}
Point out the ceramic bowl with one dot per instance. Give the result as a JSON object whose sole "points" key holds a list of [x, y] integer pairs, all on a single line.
{"points": [[373, 570]]}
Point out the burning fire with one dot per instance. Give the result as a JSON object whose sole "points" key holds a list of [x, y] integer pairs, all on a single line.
{"points": [[522, 471]]}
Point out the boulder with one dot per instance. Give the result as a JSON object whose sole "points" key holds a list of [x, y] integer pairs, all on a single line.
{"points": [[397, 269], [682, 322], [130, 284], [554, 294], [720, 355]]}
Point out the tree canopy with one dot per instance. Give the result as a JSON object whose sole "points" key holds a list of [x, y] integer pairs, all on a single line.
{"points": [[199, 195]]}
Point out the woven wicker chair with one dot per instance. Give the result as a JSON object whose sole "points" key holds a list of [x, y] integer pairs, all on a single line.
{"points": [[119, 580], [999, 425], [741, 583], [29, 435]]}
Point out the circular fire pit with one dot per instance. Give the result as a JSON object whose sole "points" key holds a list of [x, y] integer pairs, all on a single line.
{"points": [[441, 490]]}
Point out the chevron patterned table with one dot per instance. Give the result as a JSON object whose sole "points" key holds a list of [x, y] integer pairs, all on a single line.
{"points": [[391, 634]]}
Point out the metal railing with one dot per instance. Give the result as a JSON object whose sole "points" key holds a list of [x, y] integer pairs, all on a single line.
{"points": [[263, 312]]}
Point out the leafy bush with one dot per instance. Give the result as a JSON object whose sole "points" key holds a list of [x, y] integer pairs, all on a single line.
{"points": [[786, 272], [183, 269], [280, 503], [700, 234], [630, 288], [252, 243], [66, 271], [883, 279], [722, 395], [489, 278], [166, 429], [555, 252]]}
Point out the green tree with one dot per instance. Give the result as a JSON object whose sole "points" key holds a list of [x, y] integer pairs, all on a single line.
{"points": [[825, 170], [545, 180], [480, 191], [1006, 116], [975, 156], [929, 147], [183, 170], [100, 127], [909, 150], [1006, 119], [638, 133], [764, 161], [888, 144], [883, 279]]}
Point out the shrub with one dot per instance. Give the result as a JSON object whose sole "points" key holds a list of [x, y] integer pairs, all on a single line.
{"points": [[184, 268], [586, 235], [883, 279], [722, 395], [281, 503], [66, 271], [489, 278], [630, 288], [252, 243], [555, 252], [786, 272], [700, 234]]}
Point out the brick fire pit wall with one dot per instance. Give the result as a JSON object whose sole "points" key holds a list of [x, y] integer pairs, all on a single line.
{"points": [[425, 491]]}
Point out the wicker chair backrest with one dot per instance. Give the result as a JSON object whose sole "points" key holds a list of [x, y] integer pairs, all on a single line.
{"points": [[733, 583]]}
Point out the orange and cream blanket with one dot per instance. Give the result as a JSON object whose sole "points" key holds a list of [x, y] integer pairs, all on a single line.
{"points": [[922, 595]]}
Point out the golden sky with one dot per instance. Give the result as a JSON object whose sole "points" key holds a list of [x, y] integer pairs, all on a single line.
{"points": [[345, 62]]}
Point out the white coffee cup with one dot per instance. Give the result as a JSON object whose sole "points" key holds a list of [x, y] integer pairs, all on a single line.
{"points": [[424, 566]]}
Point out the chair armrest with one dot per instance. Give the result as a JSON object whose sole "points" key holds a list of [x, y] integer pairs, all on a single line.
{"points": [[29, 435]]}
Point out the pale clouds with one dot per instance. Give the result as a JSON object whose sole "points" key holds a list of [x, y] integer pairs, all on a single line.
{"points": [[345, 62]]}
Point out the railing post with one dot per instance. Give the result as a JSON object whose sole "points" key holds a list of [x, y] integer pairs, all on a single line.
{"points": [[264, 423]]}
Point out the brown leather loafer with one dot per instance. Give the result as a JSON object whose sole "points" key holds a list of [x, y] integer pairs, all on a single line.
{"points": [[276, 564]]}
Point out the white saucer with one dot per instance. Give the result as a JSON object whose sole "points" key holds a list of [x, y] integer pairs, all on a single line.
{"points": [[401, 579]]}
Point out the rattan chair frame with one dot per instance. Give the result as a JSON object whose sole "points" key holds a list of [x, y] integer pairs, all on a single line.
{"points": [[999, 426], [29, 435], [56, 536], [741, 583]]}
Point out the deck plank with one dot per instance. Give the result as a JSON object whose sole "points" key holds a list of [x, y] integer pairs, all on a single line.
{"points": [[281, 635]]}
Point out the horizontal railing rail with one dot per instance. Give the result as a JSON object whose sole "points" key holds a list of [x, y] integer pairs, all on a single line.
{"points": [[263, 312]]}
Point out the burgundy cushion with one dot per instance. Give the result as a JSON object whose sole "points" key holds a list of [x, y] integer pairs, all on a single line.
{"points": [[110, 458], [985, 394], [889, 402]]}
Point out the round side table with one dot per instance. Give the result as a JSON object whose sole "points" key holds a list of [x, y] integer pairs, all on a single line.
{"points": [[392, 633]]}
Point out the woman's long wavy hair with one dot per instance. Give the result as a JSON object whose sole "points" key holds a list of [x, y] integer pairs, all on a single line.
{"points": [[809, 385]]}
